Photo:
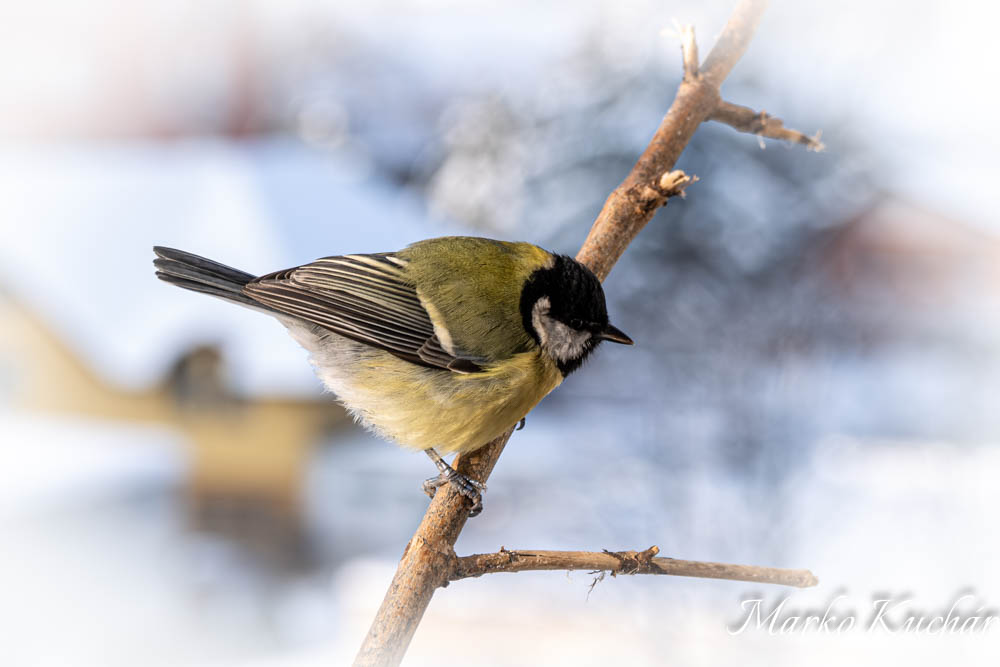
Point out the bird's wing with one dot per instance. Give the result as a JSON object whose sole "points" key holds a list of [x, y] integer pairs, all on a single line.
{"points": [[366, 298]]}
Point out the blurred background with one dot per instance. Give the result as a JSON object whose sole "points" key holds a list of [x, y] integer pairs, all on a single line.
{"points": [[815, 382]]}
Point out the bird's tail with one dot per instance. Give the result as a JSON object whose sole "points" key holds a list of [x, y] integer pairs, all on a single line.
{"points": [[202, 275]]}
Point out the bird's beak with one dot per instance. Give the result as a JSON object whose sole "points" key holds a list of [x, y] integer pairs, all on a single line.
{"points": [[615, 335]]}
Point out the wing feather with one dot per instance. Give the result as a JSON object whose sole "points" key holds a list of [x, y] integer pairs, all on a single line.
{"points": [[366, 298]]}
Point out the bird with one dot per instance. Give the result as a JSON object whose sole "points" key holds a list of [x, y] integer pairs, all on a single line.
{"points": [[441, 346]]}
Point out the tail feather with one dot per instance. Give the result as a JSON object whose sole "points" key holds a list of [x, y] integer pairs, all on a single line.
{"points": [[203, 275], [207, 266]]}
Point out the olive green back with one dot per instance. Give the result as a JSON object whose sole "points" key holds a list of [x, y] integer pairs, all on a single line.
{"points": [[474, 285]]}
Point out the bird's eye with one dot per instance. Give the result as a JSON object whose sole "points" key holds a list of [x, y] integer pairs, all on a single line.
{"points": [[576, 323]]}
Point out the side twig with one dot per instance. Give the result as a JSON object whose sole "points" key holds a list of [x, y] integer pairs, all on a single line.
{"points": [[689, 53], [622, 562], [762, 124]]}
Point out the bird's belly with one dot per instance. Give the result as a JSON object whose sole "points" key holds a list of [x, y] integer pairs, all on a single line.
{"points": [[420, 407]]}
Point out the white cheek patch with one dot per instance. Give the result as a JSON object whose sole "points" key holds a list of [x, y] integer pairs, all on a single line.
{"points": [[559, 341], [539, 311]]}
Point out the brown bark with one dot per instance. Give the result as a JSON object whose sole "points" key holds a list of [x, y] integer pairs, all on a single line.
{"points": [[622, 562], [426, 563], [762, 124]]}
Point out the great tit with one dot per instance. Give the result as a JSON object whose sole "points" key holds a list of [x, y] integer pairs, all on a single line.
{"points": [[442, 346]]}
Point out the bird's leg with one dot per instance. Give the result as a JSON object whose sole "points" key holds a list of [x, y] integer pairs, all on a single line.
{"points": [[468, 487], [521, 423]]}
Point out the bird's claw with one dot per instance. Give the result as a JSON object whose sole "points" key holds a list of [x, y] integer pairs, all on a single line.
{"points": [[466, 486]]}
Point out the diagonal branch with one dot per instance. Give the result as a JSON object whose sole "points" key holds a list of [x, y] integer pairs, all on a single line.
{"points": [[762, 124], [428, 561], [622, 562]]}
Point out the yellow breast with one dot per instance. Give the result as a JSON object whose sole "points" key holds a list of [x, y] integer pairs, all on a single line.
{"points": [[420, 407]]}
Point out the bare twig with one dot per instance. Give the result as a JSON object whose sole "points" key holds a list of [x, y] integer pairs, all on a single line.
{"points": [[762, 124], [428, 562], [622, 562], [596, 580], [689, 52]]}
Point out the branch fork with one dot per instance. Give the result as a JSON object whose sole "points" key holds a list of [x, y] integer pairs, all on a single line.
{"points": [[736, 116]]}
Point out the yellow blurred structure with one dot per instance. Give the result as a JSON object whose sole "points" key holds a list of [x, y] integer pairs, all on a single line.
{"points": [[247, 456]]}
